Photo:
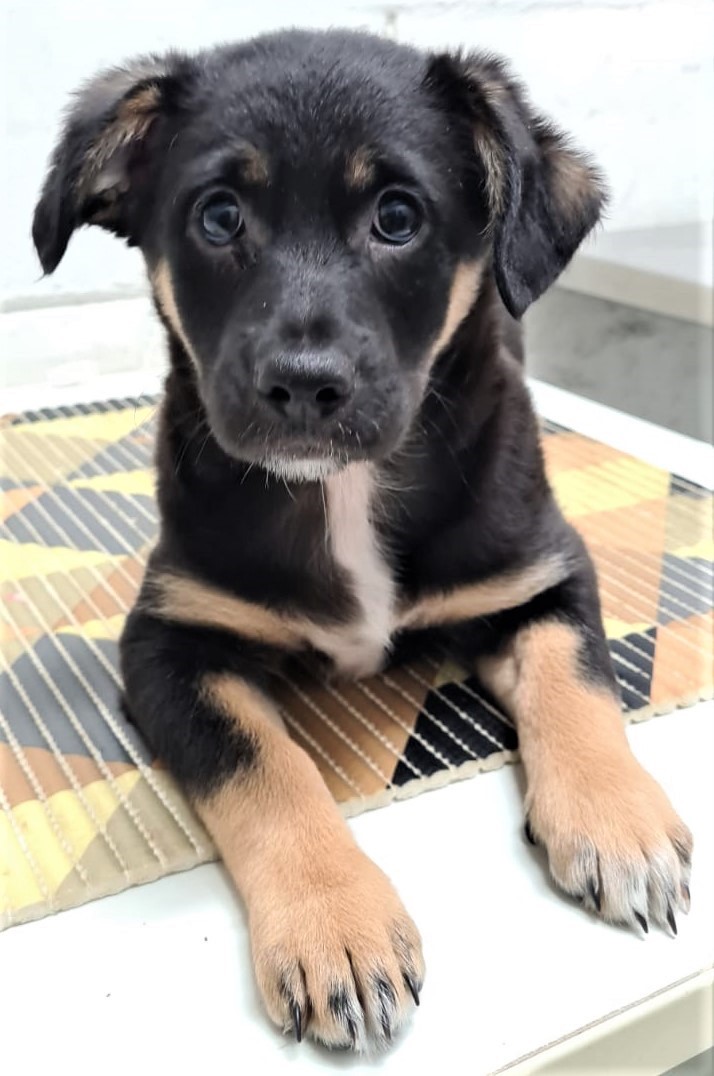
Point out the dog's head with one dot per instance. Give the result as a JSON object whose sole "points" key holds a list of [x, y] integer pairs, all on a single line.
{"points": [[317, 212]]}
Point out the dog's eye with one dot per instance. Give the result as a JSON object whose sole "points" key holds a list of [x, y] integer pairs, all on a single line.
{"points": [[221, 219], [398, 218]]}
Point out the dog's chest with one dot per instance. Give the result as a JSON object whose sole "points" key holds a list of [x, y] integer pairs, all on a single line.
{"points": [[358, 647]]}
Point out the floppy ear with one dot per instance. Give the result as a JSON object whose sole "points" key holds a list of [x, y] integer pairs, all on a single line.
{"points": [[543, 195], [99, 150]]}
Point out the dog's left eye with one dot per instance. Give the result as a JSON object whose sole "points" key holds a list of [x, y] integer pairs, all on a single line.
{"points": [[221, 219], [398, 218]]}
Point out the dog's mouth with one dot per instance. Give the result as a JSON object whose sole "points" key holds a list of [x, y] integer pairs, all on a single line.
{"points": [[312, 458], [299, 456], [299, 460], [302, 468], [308, 459], [310, 450], [301, 434]]}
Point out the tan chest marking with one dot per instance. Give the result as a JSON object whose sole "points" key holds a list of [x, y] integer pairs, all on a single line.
{"points": [[358, 648]]}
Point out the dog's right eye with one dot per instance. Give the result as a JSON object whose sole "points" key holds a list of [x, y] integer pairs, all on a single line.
{"points": [[220, 218], [398, 218]]}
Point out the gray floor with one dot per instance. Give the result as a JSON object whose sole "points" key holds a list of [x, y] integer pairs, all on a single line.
{"points": [[654, 367], [701, 1065]]}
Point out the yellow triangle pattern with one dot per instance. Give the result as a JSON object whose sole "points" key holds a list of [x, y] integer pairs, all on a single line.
{"points": [[704, 550], [22, 559], [108, 426], [108, 628], [603, 487], [18, 884], [128, 482]]}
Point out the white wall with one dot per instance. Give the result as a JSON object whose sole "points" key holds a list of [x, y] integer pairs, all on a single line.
{"points": [[50, 47], [632, 78]]}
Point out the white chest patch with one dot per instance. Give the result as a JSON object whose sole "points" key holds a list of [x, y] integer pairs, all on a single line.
{"points": [[358, 649]]}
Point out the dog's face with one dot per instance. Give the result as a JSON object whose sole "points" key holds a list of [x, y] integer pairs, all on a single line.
{"points": [[308, 228], [316, 213]]}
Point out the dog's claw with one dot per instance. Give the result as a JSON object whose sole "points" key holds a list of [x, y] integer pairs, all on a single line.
{"points": [[671, 920], [387, 998], [297, 1021], [643, 922], [683, 852], [595, 894], [412, 988], [527, 829], [687, 896]]}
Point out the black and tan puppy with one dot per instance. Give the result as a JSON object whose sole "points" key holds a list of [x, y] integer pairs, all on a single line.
{"points": [[341, 234]]}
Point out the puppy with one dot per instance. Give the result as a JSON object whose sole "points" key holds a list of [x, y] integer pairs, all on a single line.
{"points": [[341, 234]]}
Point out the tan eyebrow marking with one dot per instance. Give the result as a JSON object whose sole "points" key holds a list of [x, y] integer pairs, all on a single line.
{"points": [[253, 164], [360, 170]]}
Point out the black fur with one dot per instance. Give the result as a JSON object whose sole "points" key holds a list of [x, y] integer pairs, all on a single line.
{"points": [[459, 453], [164, 666], [534, 238]]}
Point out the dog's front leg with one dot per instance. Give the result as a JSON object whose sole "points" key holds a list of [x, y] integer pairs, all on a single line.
{"points": [[336, 955], [612, 837]]}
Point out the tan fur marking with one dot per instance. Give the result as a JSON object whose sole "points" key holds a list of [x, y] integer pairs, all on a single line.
{"points": [[573, 181], [358, 646], [312, 896], [492, 154], [254, 164], [607, 825], [464, 289], [495, 92], [180, 598], [359, 171], [164, 291], [538, 680], [244, 703], [506, 591], [492, 84], [135, 116], [142, 103]]}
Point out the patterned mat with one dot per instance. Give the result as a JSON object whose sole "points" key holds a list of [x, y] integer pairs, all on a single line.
{"points": [[86, 810]]}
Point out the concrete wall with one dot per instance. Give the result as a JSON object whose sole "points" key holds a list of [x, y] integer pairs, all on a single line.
{"points": [[633, 79]]}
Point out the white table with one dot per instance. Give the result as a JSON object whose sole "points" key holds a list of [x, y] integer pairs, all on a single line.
{"points": [[158, 979]]}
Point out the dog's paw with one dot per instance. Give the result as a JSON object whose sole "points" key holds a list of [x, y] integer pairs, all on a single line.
{"points": [[337, 959], [615, 842]]}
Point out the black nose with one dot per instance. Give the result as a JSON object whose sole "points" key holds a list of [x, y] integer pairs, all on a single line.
{"points": [[305, 385]]}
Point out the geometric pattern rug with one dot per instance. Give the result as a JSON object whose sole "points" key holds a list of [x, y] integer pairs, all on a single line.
{"points": [[85, 810]]}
